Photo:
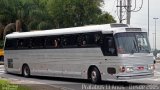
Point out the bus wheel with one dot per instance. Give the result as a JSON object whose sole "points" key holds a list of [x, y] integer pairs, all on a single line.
{"points": [[25, 71], [95, 76]]}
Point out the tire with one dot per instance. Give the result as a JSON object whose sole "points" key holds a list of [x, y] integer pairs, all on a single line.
{"points": [[26, 71], [95, 76]]}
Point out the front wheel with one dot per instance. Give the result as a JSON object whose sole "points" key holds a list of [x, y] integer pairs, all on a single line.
{"points": [[95, 76], [26, 71]]}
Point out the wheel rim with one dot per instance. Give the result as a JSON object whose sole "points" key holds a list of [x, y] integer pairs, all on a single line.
{"points": [[94, 76], [26, 71]]}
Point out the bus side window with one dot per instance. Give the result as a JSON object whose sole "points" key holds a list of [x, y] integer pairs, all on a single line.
{"points": [[23, 43], [52, 42], [108, 46], [37, 42], [63, 41], [68, 41], [72, 40], [91, 39], [81, 40], [111, 48], [11, 44], [98, 39]]}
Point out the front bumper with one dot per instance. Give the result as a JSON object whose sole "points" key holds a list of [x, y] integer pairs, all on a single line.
{"points": [[126, 77]]}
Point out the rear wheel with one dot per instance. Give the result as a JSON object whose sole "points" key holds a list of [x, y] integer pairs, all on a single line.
{"points": [[25, 71], [95, 76]]}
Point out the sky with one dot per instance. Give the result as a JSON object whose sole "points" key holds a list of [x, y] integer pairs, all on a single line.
{"points": [[140, 18]]}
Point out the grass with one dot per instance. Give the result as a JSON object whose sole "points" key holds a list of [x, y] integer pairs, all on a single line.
{"points": [[5, 85], [3, 81]]}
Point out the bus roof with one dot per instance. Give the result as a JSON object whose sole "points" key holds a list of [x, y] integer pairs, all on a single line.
{"points": [[90, 28]]}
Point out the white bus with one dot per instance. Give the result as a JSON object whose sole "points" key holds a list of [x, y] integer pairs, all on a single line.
{"points": [[116, 52]]}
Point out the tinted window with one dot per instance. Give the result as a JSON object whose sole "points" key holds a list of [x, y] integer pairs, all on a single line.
{"points": [[11, 44], [23, 43], [52, 42], [37, 42], [69, 41], [108, 46], [89, 39], [81, 40]]}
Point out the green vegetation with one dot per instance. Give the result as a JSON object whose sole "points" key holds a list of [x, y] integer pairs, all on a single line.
{"points": [[1, 43], [5, 85], [3, 82], [47, 14]]}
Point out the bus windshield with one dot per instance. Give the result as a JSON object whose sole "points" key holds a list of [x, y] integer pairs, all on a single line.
{"points": [[132, 42]]}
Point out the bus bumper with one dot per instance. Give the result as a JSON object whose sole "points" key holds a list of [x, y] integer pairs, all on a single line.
{"points": [[126, 77], [130, 77]]}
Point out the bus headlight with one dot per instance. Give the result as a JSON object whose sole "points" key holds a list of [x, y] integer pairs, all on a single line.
{"points": [[151, 67], [126, 69], [129, 69]]}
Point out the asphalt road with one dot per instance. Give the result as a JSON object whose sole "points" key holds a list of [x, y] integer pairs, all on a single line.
{"points": [[80, 84]]}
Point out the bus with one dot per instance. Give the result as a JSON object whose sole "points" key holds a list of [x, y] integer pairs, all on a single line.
{"points": [[1, 57], [112, 52]]}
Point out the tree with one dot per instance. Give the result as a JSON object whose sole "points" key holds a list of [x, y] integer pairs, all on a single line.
{"points": [[47, 14], [105, 18], [13, 10], [71, 13], [1, 31], [1, 44], [39, 16]]}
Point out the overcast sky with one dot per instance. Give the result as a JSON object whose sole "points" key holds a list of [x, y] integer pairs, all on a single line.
{"points": [[140, 18]]}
